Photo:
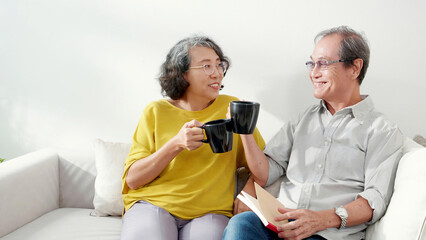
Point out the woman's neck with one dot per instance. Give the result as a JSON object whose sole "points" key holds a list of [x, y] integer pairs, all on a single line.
{"points": [[190, 105]]}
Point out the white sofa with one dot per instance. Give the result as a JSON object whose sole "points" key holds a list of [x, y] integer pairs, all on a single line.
{"points": [[44, 196]]}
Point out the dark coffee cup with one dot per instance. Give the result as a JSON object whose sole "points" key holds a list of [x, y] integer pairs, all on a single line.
{"points": [[244, 116], [219, 135]]}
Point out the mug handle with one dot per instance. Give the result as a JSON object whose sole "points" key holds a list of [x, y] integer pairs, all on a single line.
{"points": [[230, 125], [204, 140]]}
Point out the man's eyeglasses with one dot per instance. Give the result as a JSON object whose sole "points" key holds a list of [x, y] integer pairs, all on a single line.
{"points": [[209, 68], [322, 64]]}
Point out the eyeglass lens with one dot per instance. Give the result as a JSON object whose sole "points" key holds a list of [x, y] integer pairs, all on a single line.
{"points": [[209, 68], [321, 64]]}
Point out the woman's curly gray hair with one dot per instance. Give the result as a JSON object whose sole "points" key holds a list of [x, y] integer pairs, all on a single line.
{"points": [[177, 62]]}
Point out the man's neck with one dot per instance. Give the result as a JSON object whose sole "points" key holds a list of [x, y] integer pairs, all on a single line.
{"points": [[337, 105]]}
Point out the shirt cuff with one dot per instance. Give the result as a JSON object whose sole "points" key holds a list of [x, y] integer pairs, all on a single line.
{"points": [[376, 202]]}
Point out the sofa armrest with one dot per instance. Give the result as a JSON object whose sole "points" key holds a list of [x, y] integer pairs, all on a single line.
{"points": [[406, 212], [29, 188]]}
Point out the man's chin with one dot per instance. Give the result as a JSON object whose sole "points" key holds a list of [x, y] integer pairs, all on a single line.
{"points": [[318, 95]]}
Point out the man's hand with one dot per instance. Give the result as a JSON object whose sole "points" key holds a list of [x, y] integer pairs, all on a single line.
{"points": [[306, 223]]}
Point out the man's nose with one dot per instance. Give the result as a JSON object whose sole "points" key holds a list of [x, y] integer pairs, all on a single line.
{"points": [[315, 73]]}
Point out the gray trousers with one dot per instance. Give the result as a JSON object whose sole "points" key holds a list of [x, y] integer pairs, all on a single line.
{"points": [[146, 221]]}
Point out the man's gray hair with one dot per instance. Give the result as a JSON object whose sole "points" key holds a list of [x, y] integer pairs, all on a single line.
{"points": [[353, 45]]}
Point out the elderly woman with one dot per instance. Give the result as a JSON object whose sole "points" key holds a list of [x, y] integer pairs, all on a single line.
{"points": [[174, 186]]}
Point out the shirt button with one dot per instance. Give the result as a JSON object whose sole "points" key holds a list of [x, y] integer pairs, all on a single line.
{"points": [[320, 165], [326, 143]]}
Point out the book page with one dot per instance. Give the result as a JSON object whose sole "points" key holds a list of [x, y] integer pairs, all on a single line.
{"points": [[268, 204], [253, 204]]}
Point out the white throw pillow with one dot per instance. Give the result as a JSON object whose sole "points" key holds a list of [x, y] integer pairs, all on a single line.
{"points": [[110, 158], [407, 208]]}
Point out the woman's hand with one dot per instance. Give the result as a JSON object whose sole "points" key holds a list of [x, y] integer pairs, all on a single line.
{"points": [[228, 113], [190, 135], [147, 169]]}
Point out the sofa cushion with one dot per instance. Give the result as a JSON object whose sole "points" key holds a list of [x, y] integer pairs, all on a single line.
{"points": [[407, 208], [69, 224], [110, 158]]}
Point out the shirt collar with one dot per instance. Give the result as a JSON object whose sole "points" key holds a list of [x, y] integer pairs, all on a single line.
{"points": [[359, 110], [320, 106]]}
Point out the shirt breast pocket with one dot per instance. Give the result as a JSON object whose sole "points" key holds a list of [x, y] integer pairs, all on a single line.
{"points": [[345, 163]]}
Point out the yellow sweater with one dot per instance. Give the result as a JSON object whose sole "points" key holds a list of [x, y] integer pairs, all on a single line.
{"points": [[195, 182]]}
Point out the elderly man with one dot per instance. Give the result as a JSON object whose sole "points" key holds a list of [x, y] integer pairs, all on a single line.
{"points": [[338, 158]]}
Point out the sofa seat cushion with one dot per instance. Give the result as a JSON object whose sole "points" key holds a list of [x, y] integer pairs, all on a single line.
{"points": [[69, 223]]}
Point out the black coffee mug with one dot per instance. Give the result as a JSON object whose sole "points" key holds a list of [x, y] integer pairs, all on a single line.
{"points": [[244, 116], [219, 135]]}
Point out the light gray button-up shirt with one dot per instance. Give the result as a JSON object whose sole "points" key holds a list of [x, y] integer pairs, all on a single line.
{"points": [[329, 160]]}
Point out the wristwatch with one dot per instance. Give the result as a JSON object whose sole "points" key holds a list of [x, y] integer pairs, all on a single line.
{"points": [[343, 214]]}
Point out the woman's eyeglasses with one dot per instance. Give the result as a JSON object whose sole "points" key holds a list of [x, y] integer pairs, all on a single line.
{"points": [[209, 68]]}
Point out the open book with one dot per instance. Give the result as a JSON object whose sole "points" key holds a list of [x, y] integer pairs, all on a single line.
{"points": [[265, 206]]}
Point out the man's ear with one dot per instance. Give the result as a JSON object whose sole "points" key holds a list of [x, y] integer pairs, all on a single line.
{"points": [[357, 66]]}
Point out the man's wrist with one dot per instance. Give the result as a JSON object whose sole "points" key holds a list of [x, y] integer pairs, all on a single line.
{"points": [[246, 137], [343, 215], [331, 220]]}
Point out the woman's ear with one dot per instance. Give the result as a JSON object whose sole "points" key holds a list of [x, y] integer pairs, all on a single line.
{"points": [[357, 66]]}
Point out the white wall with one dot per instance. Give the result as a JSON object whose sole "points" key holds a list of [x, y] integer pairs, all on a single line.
{"points": [[72, 71]]}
